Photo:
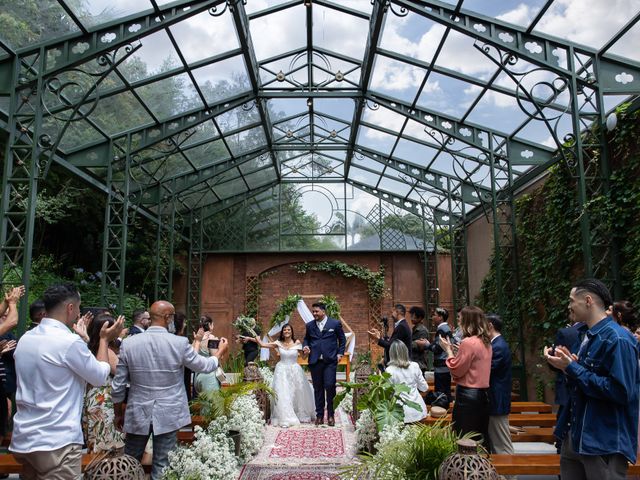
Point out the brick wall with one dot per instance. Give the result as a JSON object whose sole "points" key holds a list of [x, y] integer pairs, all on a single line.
{"points": [[224, 287]]}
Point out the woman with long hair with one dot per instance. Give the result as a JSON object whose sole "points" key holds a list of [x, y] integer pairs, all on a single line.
{"points": [[204, 343], [404, 371], [97, 419], [471, 369], [294, 402]]}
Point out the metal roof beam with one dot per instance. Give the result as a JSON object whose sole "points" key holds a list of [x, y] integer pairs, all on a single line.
{"points": [[150, 135], [410, 206], [248, 52], [234, 200], [538, 49], [519, 152], [78, 48], [185, 181], [376, 24]]}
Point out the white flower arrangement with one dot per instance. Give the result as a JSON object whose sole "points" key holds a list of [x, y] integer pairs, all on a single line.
{"points": [[267, 375], [347, 403], [395, 432], [245, 416], [209, 457], [366, 431]]}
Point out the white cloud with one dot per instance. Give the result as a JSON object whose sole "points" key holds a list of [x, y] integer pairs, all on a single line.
{"points": [[590, 22], [521, 15]]}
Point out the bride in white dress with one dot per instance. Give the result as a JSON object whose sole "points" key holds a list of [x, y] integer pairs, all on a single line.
{"points": [[294, 403]]}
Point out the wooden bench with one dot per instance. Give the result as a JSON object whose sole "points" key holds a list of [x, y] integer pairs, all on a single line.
{"points": [[8, 463], [535, 464], [515, 419], [302, 361], [534, 434], [531, 407]]}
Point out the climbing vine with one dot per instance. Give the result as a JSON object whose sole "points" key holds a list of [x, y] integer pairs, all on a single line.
{"points": [[549, 242], [289, 304], [374, 280]]}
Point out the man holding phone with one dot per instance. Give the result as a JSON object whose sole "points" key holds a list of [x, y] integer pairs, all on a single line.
{"points": [[153, 366]]}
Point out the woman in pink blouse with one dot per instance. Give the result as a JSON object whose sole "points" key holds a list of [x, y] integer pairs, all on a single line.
{"points": [[470, 367]]}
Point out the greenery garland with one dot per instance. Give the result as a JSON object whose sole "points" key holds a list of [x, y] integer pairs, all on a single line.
{"points": [[284, 308], [289, 304], [374, 280], [549, 243]]}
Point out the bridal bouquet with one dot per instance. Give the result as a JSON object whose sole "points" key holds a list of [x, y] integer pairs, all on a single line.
{"points": [[246, 325]]}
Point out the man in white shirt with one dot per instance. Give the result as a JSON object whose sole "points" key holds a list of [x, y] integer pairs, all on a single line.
{"points": [[53, 367]]}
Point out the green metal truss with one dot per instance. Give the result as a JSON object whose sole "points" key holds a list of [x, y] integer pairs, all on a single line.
{"points": [[218, 156]]}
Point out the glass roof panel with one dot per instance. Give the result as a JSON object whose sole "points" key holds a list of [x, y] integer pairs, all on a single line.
{"points": [[286, 30], [627, 46], [223, 79], [261, 5], [588, 22], [246, 140], [396, 79], [329, 26], [459, 55], [261, 177], [512, 11], [169, 97], [207, 154], [398, 188], [286, 107], [45, 20], [363, 176], [413, 36], [97, 12], [156, 55], [256, 164], [231, 188], [375, 139], [238, 117], [336, 107], [120, 113], [385, 118], [445, 94], [498, 110], [203, 131], [414, 152], [203, 36]]}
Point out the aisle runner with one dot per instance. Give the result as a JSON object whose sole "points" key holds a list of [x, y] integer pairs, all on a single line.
{"points": [[308, 443], [261, 472], [306, 452]]}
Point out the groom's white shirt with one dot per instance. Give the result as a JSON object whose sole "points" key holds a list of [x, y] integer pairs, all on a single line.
{"points": [[322, 323]]}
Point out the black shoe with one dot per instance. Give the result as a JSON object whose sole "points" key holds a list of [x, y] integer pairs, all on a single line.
{"points": [[319, 420]]}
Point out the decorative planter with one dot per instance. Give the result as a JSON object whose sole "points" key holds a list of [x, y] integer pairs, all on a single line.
{"points": [[235, 436], [113, 466], [361, 376], [252, 374], [467, 464]]}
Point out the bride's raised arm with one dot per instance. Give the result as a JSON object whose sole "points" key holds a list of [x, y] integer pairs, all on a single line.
{"points": [[264, 344]]}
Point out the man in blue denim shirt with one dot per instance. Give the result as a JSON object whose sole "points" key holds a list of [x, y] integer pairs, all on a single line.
{"points": [[603, 380]]}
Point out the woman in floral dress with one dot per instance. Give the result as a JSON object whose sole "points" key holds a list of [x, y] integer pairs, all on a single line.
{"points": [[97, 419]]}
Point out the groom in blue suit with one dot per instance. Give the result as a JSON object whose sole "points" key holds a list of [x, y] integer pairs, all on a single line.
{"points": [[324, 342]]}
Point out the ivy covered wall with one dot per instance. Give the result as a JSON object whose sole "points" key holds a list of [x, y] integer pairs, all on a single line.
{"points": [[549, 244]]}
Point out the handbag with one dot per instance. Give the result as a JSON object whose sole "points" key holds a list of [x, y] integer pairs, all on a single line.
{"points": [[220, 375]]}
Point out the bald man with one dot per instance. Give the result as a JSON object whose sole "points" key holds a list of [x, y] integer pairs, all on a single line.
{"points": [[153, 367]]}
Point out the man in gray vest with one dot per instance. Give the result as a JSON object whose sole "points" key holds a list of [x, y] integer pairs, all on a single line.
{"points": [[153, 366]]}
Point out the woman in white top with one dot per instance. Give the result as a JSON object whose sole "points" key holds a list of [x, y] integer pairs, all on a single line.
{"points": [[403, 371], [294, 402]]}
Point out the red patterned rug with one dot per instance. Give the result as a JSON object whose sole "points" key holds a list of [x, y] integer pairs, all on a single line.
{"points": [[308, 443], [258, 472]]}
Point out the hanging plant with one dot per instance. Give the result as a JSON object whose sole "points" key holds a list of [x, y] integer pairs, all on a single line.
{"points": [[284, 309], [374, 280]]}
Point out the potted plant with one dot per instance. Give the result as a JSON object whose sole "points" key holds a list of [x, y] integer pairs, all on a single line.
{"points": [[217, 403], [233, 367], [382, 398]]}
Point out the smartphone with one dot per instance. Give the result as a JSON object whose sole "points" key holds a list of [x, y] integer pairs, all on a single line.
{"points": [[213, 344]]}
